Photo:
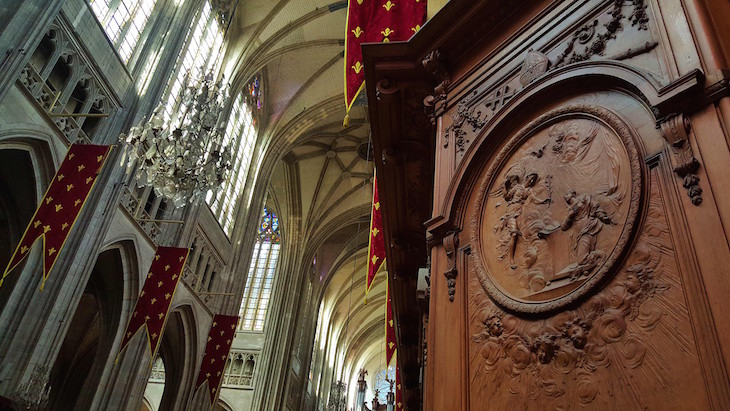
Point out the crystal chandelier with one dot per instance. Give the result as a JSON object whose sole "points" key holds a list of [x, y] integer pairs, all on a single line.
{"points": [[184, 158], [338, 397]]}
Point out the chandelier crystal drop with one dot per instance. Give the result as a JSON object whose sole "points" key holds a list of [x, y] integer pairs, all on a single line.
{"points": [[186, 157]]}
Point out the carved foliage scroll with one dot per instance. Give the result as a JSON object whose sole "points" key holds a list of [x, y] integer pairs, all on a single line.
{"points": [[556, 208], [586, 42], [635, 332], [676, 131], [451, 244]]}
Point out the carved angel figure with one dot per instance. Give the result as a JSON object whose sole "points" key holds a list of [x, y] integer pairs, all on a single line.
{"points": [[589, 216], [519, 189]]}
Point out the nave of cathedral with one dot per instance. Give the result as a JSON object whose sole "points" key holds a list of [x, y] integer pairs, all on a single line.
{"points": [[364, 205]]}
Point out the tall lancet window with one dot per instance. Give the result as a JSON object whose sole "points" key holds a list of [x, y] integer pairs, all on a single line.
{"points": [[199, 56], [260, 279], [123, 21], [241, 137]]}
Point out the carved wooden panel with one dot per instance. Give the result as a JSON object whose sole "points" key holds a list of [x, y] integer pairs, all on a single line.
{"points": [[625, 342], [556, 209]]}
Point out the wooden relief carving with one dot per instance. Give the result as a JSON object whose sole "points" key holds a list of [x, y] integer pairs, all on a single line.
{"points": [[594, 41], [634, 335], [451, 244], [556, 209], [676, 131]]}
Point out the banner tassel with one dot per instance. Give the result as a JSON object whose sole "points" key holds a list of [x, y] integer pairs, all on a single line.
{"points": [[346, 122]]}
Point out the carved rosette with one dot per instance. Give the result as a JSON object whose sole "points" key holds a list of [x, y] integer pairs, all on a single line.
{"points": [[556, 210]]}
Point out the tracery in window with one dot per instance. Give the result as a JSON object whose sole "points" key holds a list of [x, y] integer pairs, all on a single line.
{"points": [[199, 56], [241, 137], [382, 383], [123, 21], [261, 273]]}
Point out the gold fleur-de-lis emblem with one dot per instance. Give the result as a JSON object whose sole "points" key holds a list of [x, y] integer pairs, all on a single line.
{"points": [[154, 336], [23, 249], [181, 258], [357, 32], [64, 226], [157, 257], [46, 228], [36, 223], [153, 301], [387, 32], [167, 267], [60, 177], [89, 179], [375, 232], [159, 284], [167, 296], [52, 251], [69, 187], [59, 207], [99, 158], [390, 345], [390, 322], [375, 259], [415, 29], [81, 167], [48, 200], [160, 315], [389, 5], [357, 67], [77, 202], [71, 156], [217, 346], [149, 275], [377, 205]]}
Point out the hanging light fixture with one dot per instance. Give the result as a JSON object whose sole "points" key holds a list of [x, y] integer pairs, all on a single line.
{"points": [[338, 397], [183, 158]]}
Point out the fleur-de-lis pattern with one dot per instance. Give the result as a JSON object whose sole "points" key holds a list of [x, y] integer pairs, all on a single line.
{"points": [[151, 309], [220, 339], [61, 205], [390, 343], [376, 245], [371, 21]]}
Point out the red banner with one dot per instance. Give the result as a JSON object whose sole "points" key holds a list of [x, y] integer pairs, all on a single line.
{"points": [[398, 390], [375, 21], [154, 301], [376, 244], [220, 339], [60, 207], [390, 345]]}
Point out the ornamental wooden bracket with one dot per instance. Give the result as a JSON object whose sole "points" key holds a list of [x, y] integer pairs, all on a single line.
{"points": [[451, 244], [676, 130]]}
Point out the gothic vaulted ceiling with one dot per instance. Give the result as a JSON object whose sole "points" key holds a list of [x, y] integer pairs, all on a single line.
{"points": [[319, 183]]}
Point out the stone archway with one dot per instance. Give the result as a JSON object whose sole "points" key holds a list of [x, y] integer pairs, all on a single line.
{"points": [[17, 203], [178, 351], [90, 337]]}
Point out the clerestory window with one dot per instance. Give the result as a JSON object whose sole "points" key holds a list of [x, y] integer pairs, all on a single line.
{"points": [[260, 279], [123, 21]]}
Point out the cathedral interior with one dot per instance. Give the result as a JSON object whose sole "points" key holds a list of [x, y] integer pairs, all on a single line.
{"points": [[550, 174]]}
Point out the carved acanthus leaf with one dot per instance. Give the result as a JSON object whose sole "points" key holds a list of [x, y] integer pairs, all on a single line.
{"points": [[675, 130]]}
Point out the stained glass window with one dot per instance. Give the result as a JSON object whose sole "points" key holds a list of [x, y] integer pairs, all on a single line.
{"points": [[382, 383], [123, 21], [260, 279]]}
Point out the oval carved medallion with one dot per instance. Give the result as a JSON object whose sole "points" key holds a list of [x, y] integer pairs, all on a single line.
{"points": [[556, 209]]}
